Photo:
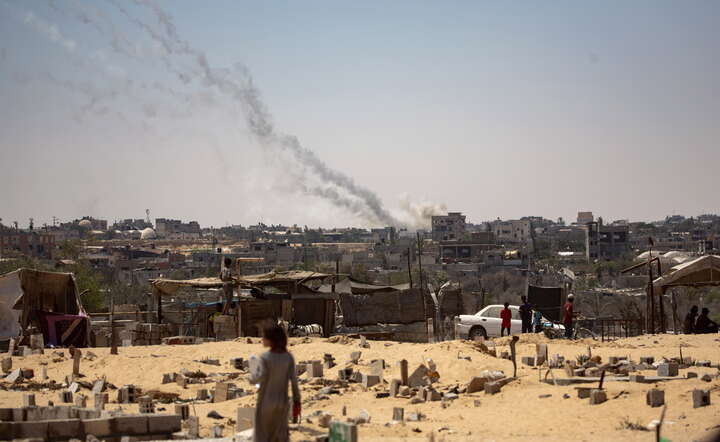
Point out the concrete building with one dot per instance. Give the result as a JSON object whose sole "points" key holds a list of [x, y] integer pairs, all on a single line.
{"points": [[606, 241], [448, 227], [33, 243], [176, 229], [513, 231], [585, 217]]}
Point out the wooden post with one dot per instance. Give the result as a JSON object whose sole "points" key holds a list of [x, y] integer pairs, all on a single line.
{"points": [[512, 354], [602, 379], [113, 338], [409, 268]]}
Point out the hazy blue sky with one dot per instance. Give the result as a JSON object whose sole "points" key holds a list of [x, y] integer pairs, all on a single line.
{"points": [[496, 109]]}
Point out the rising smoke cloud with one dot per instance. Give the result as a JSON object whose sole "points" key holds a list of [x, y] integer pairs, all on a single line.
{"points": [[190, 65]]}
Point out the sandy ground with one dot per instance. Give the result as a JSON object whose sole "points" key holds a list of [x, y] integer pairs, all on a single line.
{"points": [[517, 413]]}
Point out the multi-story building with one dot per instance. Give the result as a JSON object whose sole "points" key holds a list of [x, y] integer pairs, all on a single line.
{"points": [[34, 243], [606, 241], [513, 231], [176, 229], [448, 227], [585, 217]]}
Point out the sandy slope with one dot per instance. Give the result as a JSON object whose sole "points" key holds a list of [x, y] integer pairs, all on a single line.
{"points": [[516, 413]]}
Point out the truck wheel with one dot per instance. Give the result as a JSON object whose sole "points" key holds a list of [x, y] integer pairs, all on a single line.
{"points": [[477, 332]]}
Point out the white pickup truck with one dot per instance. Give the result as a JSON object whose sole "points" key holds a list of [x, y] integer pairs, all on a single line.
{"points": [[486, 323]]}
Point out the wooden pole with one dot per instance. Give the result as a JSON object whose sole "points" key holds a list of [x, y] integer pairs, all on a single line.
{"points": [[512, 354]]}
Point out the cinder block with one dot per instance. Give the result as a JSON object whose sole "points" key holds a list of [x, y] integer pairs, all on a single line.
{"points": [[668, 369], [368, 380], [701, 398], [528, 360], [583, 392], [398, 414], [164, 423], [183, 410], [394, 387], [64, 428], [655, 398], [129, 425], [315, 369], [597, 396], [98, 427], [492, 387]]}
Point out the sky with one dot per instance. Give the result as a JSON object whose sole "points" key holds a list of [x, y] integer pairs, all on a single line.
{"points": [[338, 113]]}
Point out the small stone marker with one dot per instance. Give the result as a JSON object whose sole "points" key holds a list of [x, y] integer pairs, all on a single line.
{"points": [[221, 392], [434, 395], [492, 387], [701, 398], [43, 373], [182, 410], [237, 363], [403, 371], [398, 414], [355, 357], [14, 376], [29, 400], [80, 400], [368, 380], [363, 342], [583, 392], [77, 354], [65, 397], [343, 432], [668, 369], [12, 345], [6, 365], [217, 431], [328, 361], [597, 396], [100, 400], [315, 369], [541, 353], [37, 341], [181, 381], [193, 427], [98, 386], [419, 377], [202, 394], [394, 387], [655, 398], [377, 368]]}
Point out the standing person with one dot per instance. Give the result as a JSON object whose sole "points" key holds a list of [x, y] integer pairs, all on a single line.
{"points": [[273, 371], [226, 277], [526, 315], [537, 320], [568, 315], [689, 323], [506, 316], [704, 324]]}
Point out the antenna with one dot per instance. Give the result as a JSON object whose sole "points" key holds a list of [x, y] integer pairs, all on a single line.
{"points": [[147, 215]]}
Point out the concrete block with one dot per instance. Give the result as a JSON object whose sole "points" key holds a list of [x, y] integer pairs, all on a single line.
{"points": [[80, 400], [492, 387], [315, 369], [377, 368], [394, 387], [647, 360], [583, 392], [668, 369], [419, 377], [398, 414], [637, 378], [6, 365], [99, 427], [183, 410], [65, 397], [164, 423], [355, 357], [193, 424], [64, 428], [85, 413], [245, 418], [130, 424], [368, 380], [201, 394], [701, 398], [477, 383], [434, 395], [221, 392], [597, 396], [100, 399], [528, 360], [343, 432], [146, 405], [655, 398], [28, 399]]}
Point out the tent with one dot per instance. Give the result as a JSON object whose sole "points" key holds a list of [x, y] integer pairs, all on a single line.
{"points": [[702, 271], [46, 300]]}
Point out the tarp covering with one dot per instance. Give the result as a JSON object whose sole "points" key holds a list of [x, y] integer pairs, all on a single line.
{"points": [[171, 286], [548, 300], [349, 285], [25, 293], [392, 307], [704, 270]]}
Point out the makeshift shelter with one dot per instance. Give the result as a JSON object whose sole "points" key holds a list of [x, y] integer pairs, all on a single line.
{"points": [[48, 301], [700, 272], [275, 295]]}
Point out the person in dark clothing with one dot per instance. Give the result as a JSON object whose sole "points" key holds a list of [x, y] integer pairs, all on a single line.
{"points": [[226, 277], [704, 324], [689, 323], [568, 315], [526, 315]]}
